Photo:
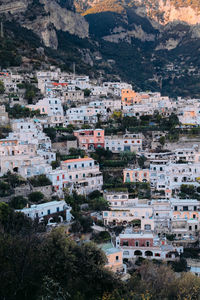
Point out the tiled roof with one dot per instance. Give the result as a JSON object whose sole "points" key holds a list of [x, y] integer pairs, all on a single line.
{"points": [[77, 160]]}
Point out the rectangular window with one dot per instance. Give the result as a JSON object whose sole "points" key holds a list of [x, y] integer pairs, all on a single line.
{"points": [[57, 209], [48, 211], [125, 243]]}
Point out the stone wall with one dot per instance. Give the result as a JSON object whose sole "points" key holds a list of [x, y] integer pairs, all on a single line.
{"points": [[63, 147]]}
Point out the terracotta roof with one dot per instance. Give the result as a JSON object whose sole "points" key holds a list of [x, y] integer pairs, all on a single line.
{"points": [[59, 83], [77, 160]]}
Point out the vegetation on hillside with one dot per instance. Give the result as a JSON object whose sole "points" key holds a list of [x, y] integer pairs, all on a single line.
{"points": [[38, 266]]}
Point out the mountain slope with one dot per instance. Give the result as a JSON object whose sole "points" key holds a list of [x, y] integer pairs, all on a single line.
{"points": [[152, 51], [132, 40]]}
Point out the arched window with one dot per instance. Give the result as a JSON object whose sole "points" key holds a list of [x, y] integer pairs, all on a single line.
{"points": [[148, 253], [138, 253]]}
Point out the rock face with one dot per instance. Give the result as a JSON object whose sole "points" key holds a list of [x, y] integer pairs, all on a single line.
{"points": [[161, 11], [120, 34], [45, 22], [165, 11]]}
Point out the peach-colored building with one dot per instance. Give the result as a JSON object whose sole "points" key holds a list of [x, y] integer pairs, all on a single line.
{"points": [[136, 175], [90, 139], [114, 257]]}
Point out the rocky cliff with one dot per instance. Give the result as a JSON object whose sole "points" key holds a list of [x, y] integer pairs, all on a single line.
{"points": [[161, 11], [45, 18]]}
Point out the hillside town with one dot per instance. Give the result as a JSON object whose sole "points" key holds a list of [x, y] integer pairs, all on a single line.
{"points": [[108, 164]]}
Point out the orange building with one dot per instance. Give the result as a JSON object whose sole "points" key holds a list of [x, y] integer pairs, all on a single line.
{"points": [[130, 97]]}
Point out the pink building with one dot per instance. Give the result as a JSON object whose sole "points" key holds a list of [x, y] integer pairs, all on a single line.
{"points": [[90, 139], [137, 240]]}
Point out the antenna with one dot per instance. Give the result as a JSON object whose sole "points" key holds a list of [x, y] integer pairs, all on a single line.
{"points": [[2, 31], [74, 70]]}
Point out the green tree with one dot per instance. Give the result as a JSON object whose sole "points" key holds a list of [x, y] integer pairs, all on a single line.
{"points": [[77, 152], [14, 180], [141, 161], [162, 140], [55, 164], [40, 180], [98, 204], [94, 194], [180, 266], [50, 132], [52, 290], [18, 202], [87, 92], [2, 88], [5, 189], [31, 92], [128, 156]]}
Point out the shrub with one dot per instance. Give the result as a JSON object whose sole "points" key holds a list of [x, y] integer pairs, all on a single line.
{"points": [[40, 180], [36, 197], [102, 237], [18, 202]]}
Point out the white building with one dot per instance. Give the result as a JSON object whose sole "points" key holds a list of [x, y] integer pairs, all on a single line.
{"points": [[27, 150], [84, 174], [39, 211], [127, 142], [48, 106], [82, 115], [173, 175]]}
